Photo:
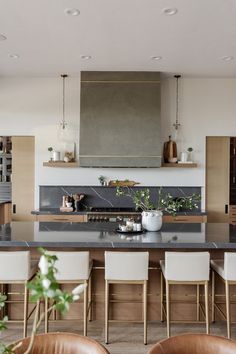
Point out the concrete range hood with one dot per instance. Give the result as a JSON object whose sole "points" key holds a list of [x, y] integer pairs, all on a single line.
{"points": [[120, 119]]}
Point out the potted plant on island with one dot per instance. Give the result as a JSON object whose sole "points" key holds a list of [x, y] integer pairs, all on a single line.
{"points": [[152, 212]]}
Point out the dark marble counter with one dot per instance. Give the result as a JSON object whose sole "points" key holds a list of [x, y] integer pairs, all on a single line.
{"points": [[103, 235], [56, 211]]}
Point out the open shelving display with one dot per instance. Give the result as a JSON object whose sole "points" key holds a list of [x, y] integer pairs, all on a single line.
{"points": [[179, 165], [60, 164]]}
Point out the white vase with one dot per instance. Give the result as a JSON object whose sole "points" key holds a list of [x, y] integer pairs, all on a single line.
{"points": [[152, 220]]}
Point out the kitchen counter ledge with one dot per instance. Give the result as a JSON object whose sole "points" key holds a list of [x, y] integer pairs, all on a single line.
{"points": [[52, 211], [103, 236]]}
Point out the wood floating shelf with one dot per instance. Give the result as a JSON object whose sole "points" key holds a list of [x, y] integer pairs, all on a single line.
{"points": [[179, 165], [60, 164]]}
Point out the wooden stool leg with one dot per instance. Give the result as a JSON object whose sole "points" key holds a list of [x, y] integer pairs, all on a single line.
{"points": [[90, 297], [85, 307], [162, 297], [46, 315], [198, 303], [213, 297], [145, 311], [26, 297], [106, 311], [227, 294], [207, 308], [168, 308]]}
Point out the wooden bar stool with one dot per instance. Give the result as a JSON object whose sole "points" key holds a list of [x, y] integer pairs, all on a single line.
{"points": [[226, 269], [126, 268], [17, 268], [186, 268], [74, 268]]}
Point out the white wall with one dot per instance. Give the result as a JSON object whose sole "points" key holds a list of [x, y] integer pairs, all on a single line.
{"points": [[32, 106]]}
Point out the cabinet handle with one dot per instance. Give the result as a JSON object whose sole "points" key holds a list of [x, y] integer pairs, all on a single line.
{"points": [[226, 208], [234, 180], [14, 208]]}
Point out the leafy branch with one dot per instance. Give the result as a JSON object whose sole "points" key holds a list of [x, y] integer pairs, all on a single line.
{"points": [[165, 202]]}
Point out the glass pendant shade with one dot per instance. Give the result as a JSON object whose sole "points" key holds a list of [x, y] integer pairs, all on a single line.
{"points": [[176, 125], [65, 133]]}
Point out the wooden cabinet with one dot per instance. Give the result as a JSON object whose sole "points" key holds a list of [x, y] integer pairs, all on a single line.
{"points": [[185, 218], [221, 179], [61, 218], [22, 177], [5, 213], [217, 178]]}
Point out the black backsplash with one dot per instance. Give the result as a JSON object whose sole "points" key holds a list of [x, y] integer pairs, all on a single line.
{"points": [[50, 197]]}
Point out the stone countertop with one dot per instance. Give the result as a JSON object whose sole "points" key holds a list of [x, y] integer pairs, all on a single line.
{"points": [[103, 236], [56, 211]]}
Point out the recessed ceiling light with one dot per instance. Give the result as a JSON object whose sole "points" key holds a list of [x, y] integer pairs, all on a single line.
{"points": [[170, 11], [227, 58], [156, 57], [14, 56], [72, 12], [85, 57], [2, 37]]}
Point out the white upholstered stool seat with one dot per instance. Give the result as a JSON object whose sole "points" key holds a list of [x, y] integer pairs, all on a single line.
{"points": [[74, 268], [17, 268], [185, 268], [127, 268], [226, 269]]}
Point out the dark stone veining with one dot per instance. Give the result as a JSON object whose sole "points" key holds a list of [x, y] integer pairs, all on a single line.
{"points": [[103, 236], [50, 197]]}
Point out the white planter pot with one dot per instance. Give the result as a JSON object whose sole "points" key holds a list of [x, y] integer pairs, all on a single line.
{"points": [[152, 220]]}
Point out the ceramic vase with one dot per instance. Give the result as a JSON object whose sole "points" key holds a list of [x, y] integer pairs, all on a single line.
{"points": [[152, 220]]}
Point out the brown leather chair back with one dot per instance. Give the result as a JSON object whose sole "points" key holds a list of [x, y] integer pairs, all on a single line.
{"points": [[194, 344], [62, 343]]}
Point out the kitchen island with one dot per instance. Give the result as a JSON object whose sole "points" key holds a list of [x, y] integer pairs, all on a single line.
{"points": [[98, 237]]}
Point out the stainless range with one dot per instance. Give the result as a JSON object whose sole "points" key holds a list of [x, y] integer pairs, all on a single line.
{"points": [[112, 214]]}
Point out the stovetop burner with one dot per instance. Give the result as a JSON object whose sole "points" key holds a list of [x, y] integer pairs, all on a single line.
{"points": [[112, 210]]}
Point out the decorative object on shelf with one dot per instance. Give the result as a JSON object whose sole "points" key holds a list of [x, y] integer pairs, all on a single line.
{"points": [[69, 152], [190, 154], [152, 212], [102, 180], [177, 124], [119, 183], [78, 198], [56, 155], [170, 151], [43, 286], [50, 149], [183, 157]]}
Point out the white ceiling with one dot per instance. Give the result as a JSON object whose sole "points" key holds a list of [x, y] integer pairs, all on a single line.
{"points": [[119, 35]]}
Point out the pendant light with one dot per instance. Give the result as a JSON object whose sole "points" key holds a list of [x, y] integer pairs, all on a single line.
{"points": [[63, 131], [177, 124]]}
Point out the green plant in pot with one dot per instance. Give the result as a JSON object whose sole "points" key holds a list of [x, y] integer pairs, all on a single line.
{"points": [[152, 212], [43, 286]]}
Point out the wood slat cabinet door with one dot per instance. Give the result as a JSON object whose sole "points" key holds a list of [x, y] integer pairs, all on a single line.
{"points": [[23, 177], [185, 219], [217, 178], [62, 218]]}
